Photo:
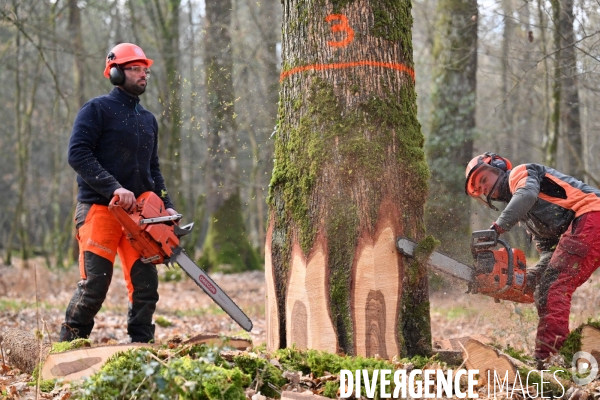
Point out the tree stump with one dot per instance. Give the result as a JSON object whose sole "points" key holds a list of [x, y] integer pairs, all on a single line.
{"points": [[590, 341], [487, 358], [451, 351], [23, 352], [80, 363]]}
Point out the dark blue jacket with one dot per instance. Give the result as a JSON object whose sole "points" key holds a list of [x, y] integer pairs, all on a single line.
{"points": [[114, 144]]}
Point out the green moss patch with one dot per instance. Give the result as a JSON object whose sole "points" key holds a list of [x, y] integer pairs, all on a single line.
{"points": [[573, 342], [196, 373], [61, 347]]}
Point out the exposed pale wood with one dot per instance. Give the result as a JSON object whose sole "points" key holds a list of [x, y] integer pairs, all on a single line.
{"points": [[296, 302], [307, 395], [321, 332], [271, 313], [486, 358], [376, 291], [79, 363], [454, 343], [23, 349], [590, 341], [308, 321], [299, 323], [451, 351], [220, 341]]}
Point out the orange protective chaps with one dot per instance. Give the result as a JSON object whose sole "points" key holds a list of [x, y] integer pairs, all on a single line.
{"points": [[101, 238]]}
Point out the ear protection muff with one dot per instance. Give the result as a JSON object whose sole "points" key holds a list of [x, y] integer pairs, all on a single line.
{"points": [[499, 162], [116, 75]]}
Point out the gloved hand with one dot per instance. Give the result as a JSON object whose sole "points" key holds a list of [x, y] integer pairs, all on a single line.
{"points": [[497, 228]]}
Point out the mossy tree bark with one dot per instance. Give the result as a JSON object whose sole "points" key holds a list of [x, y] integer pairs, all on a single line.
{"points": [[226, 245], [449, 145], [349, 177]]}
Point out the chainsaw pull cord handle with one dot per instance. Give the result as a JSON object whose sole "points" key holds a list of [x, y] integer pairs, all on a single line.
{"points": [[510, 266]]}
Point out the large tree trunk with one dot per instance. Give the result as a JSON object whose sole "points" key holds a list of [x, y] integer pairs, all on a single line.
{"points": [[226, 245], [450, 142], [349, 177]]}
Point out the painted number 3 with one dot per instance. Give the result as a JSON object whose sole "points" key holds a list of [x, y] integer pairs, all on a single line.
{"points": [[340, 26]]}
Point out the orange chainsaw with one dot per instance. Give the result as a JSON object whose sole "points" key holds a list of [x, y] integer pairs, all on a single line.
{"points": [[499, 273], [155, 234]]}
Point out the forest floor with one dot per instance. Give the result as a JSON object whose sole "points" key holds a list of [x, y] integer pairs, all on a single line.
{"points": [[34, 297]]}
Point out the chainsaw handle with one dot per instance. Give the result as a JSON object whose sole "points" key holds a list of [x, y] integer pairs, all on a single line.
{"points": [[114, 202], [118, 208]]}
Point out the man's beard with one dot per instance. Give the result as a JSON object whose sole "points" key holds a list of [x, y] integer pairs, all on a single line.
{"points": [[133, 88]]}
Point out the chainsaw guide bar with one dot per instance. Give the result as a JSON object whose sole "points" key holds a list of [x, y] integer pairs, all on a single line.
{"points": [[437, 260]]}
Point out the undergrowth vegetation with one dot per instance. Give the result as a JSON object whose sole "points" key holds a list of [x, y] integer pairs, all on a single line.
{"points": [[208, 373]]}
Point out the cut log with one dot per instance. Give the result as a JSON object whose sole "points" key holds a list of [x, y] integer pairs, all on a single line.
{"points": [[220, 341], [451, 352], [486, 358], [23, 349], [590, 341], [454, 344], [307, 395], [80, 363]]}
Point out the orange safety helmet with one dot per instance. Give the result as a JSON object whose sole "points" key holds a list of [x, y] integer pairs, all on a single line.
{"points": [[124, 53], [481, 168]]}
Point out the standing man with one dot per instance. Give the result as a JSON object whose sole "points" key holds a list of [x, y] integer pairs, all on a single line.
{"points": [[113, 149], [563, 215]]}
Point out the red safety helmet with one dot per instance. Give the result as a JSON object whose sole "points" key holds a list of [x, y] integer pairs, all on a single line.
{"points": [[124, 53], [483, 173]]}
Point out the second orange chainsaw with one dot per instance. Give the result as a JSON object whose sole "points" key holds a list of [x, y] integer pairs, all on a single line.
{"points": [[499, 273]]}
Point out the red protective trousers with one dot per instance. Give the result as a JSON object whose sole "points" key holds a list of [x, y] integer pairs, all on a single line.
{"points": [[576, 257]]}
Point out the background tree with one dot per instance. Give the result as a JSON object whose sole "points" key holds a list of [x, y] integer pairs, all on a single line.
{"points": [[226, 245], [567, 68], [450, 141], [165, 21], [349, 177]]}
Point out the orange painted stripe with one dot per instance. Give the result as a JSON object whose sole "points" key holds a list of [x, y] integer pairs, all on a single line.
{"points": [[321, 67]]}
